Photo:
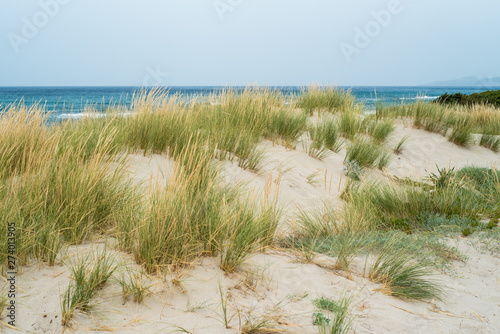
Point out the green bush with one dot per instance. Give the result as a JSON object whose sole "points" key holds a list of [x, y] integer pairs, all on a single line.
{"points": [[489, 97]]}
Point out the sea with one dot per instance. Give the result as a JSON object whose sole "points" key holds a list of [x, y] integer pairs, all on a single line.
{"points": [[74, 102]]}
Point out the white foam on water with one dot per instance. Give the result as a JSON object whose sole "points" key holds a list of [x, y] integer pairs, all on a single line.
{"points": [[93, 115], [419, 98]]}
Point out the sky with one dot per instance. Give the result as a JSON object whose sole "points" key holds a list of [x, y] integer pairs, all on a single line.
{"points": [[237, 42]]}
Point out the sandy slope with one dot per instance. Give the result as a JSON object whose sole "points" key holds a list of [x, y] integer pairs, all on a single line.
{"points": [[278, 284]]}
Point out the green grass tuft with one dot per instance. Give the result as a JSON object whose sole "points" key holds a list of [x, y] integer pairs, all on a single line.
{"points": [[490, 141], [367, 154], [403, 274], [87, 279]]}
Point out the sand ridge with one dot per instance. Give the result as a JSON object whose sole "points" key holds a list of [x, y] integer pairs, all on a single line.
{"points": [[277, 283]]}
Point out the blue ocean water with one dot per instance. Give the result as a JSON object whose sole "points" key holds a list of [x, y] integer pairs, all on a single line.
{"points": [[69, 102]]}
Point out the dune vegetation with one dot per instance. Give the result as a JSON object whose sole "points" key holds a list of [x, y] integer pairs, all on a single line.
{"points": [[67, 183]]}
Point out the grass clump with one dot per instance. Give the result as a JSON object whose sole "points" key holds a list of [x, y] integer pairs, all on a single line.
{"points": [[380, 130], [350, 124], [132, 284], [400, 146], [410, 206], [25, 141], [430, 117], [330, 99], [195, 215], [490, 141], [461, 133], [247, 233], [463, 119], [265, 323], [317, 223], [492, 224], [325, 134], [231, 125], [486, 183], [366, 154], [67, 200], [87, 279], [340, 322], [286, 126], [345, 246], [403, 274]]}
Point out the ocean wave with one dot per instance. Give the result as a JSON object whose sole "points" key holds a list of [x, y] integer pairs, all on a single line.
{"points": [[93, 115], [420, 98]]}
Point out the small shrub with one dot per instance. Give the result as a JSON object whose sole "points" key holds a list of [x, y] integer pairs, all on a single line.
{"points": [[466, 231], [319, 319], [353, 170], [326, 304], [444, 178], [492, 224], [340, 322]]}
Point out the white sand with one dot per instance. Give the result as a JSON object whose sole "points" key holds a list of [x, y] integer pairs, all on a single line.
{"points": [[279, 283]]}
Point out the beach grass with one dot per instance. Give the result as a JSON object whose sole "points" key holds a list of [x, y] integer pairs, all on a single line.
{"points": [[462, 120], [193, 215], [329, 99], [67, 183], [325, 134], [350, 124], [341, 321], [490, 141], [133, 284], [399, 148], [380, 130], [367, 154], [89, 275], [404, 275], [25, 140]]}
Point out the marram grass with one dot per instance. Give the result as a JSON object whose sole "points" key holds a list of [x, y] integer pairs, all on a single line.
{"points": [[330, 99], [66, 183], [404, 275]]}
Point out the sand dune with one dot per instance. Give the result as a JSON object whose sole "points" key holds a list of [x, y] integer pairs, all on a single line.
{"points": [[279, 284]]}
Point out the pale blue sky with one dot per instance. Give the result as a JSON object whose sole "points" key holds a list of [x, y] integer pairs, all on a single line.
{"points": [[234, 42]]}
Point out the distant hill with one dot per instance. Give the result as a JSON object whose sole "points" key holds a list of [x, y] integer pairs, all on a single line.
{"points": [[468, 81]]}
